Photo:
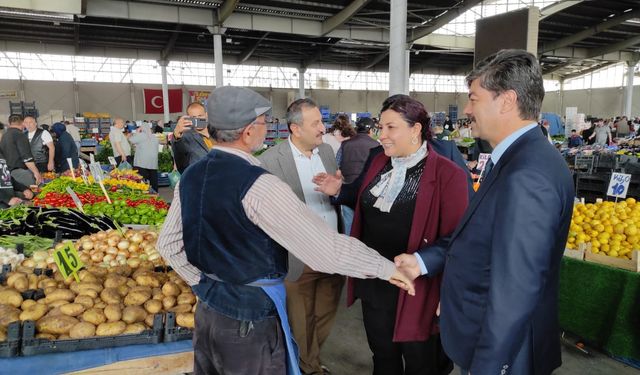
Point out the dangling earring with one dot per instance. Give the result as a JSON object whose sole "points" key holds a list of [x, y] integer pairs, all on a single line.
{"points": [[414, 141]]}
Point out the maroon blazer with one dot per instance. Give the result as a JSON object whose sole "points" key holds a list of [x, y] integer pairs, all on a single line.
{"points": [[441, 201]]}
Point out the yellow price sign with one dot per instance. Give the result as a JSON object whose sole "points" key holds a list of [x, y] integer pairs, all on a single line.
{"points": [[68, 261]]}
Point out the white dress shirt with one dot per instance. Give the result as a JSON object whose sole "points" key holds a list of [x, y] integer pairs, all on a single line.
{"points": [[318, 202]]}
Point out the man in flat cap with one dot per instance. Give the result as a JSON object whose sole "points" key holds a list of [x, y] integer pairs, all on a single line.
{"points": [[228, 231]]}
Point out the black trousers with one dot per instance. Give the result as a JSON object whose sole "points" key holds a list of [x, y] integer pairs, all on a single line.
{"points": [[119, 159], [150, 175], [42, 167], [222, 345], [419, 357]]}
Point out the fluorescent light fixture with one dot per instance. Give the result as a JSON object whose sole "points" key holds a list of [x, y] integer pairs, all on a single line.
{"points": [[31, 14]]}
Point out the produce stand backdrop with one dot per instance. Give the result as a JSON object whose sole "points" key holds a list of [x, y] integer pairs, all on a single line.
{"points": [[601, 304]]}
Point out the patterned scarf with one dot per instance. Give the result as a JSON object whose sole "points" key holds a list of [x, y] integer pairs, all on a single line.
{"points": [[391, 183]]}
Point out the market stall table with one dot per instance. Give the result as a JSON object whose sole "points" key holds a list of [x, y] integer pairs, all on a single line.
{"points": [[166, 358], [601, 305]]}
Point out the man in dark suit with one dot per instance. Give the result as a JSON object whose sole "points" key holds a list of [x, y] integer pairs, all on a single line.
{"points": [[190, 144], [499, 298], [312, 297]]}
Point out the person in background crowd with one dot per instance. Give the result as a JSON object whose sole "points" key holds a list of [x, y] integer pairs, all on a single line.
{"points": [[74, 132], [15, 146], [404, 200], [590, 130], [119, 142], [448, 124], [622, 127], [465, 132], [544, 126], [355, 150], [241, 321], [157, 128], [65, 148], [499, 298], [191, 145], [340, 131], [575, 140], [312, 297], [145, 160], [41, 142], [601, 133]]}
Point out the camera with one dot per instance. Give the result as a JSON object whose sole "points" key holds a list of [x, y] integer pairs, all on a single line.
{"points": [[198, 123]]}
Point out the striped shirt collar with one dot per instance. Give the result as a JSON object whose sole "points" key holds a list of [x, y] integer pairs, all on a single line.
{"points": [[239, 153]]}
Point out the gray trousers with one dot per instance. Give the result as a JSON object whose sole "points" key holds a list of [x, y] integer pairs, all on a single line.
{"points": [[222, 345], [24, 178]]}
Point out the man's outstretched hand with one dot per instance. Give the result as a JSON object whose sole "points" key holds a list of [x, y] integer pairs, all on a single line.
{"points": [[403, 281], [327, 183], [408, 264]]}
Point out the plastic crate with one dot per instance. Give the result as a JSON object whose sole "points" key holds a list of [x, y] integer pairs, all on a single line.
{"points": [[33, 346], [172, 332], [11, 347]]}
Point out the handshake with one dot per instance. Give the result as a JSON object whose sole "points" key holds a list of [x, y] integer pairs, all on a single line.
{"points": [[407, 270]]}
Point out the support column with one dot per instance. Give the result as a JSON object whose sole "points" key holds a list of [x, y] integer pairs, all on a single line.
{"points": [[76, 96], [132, 92], [301, 72], [397, 48], [165, 89], [628, 94], [217, 57], [21, 89]]}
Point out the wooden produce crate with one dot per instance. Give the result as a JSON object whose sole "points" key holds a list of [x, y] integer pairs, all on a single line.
{"points": [[632, 265], [575, 254]]}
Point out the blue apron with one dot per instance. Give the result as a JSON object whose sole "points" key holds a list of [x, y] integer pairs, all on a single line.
{"points": [[274, 288]]}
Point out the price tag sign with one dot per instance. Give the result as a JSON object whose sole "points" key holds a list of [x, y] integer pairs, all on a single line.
{"points": [[83, 169], [482, 161], [619, 185], [68, 261], [96, 171], [73, 172], [112, 161], [75, 199], [5, 176]]}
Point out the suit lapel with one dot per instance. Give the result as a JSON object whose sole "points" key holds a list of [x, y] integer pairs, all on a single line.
{"points": [[200, 141], [328, 159], [493, 176], [289, 170]]}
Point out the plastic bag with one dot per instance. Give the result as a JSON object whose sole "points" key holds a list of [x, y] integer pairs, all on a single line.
{"points": [[124, 165], [174, 177]]}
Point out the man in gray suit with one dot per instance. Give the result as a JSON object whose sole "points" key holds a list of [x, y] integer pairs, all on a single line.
{"points": [[312, 297]]}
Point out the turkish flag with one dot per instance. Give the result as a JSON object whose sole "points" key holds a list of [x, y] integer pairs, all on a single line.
{"points": [[153, 101]]}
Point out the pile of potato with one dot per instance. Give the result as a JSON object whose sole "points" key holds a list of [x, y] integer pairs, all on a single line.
{"points": [[107, 249], [107, 302]]}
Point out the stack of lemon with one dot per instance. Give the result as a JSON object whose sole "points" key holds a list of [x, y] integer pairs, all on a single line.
{"points": [[610, 228]]}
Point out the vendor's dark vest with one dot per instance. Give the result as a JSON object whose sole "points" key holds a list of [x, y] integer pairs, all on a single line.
{"points": [[39, 151], [220, 239]]}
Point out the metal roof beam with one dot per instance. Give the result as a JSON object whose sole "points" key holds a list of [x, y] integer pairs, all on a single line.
{"points": [[226, 9], [166, 51], [589, 70], [557, 7], [613, 47], [343, 16], [376, 60], [443, 19], [251, 49], [571, 39]]}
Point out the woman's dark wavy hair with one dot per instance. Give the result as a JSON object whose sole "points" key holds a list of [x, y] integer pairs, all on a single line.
{"points": [[411, 110], [343, 125]]}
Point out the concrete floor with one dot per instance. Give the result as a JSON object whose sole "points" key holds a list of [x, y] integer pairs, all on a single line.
{"points": [[346, 351]]}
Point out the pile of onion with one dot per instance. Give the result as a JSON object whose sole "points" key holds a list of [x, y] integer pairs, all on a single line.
{"points": [[109, 249]]}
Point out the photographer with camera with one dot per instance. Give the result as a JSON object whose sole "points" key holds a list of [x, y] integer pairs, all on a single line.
{"points": [[191, 137]]}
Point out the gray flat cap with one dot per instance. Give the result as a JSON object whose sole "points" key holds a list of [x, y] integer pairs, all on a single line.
{"points": [[230, 107]]}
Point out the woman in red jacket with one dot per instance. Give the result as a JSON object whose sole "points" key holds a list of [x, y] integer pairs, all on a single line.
{"points": [[408, 196]]}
